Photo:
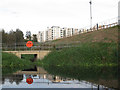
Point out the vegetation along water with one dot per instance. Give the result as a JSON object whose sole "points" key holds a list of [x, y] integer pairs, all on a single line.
{"points": [[86, 61]]}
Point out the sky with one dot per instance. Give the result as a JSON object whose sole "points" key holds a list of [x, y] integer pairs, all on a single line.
{"points": [[37, 15]]}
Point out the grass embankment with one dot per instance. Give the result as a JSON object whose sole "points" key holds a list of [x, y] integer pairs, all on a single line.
{"points": [[104, 35], [97, 48], [87, 54], [95, 57], [89, 61], [11, 63]]}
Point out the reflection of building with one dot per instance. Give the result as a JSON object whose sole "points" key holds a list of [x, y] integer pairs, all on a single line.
{"points": [[12, 78], [40, 73]]}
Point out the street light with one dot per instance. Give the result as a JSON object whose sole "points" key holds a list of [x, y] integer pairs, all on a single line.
{"points": [[90, 15]]}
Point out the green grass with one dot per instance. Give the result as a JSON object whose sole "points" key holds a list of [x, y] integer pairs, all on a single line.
{"points": [[87, 54], [11, 63]]}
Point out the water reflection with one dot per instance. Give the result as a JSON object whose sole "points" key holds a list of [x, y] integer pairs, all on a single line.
{"points": [[106, 76], [42, 79], [12, 78]]}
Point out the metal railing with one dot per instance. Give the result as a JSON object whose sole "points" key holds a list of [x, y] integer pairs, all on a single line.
{"points": [[38, 46]]}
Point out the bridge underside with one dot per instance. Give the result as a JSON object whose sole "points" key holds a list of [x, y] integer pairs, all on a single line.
{"points": [[40, 54]]}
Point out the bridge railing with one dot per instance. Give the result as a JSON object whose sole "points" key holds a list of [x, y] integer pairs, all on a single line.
{"points": [[38, 46]]}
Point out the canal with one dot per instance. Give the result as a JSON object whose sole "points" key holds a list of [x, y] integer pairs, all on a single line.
{"points": [[63, 77]]}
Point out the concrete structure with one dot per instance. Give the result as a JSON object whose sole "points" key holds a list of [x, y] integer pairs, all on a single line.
{"points": [[39, 54]]}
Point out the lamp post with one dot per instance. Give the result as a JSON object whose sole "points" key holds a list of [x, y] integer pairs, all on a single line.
{"points": [[90, 15]]}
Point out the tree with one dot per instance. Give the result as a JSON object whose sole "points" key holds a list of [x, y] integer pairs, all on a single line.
{"points": [[19, 36], [12, 36], [28, 35], [34, 38], [4, 36]]}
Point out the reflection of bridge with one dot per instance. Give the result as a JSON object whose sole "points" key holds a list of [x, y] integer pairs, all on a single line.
{"points": [[38, 70], [41, 73], [39, 54]]}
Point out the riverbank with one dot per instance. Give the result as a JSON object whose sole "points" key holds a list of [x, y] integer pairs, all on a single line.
{"points": [[11, 63], [96, 62], [86, 54]]}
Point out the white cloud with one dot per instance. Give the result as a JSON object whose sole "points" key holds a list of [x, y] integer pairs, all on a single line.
{"points": [[36, 15]]}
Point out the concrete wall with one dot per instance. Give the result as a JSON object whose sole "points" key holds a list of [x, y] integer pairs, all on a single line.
{"points": [[40, 54]]}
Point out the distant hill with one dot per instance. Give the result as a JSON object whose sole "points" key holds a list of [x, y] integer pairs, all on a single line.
{"points": [[104, 35]]}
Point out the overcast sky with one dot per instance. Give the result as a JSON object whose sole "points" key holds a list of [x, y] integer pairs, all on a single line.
{"points": [[37, 15]]}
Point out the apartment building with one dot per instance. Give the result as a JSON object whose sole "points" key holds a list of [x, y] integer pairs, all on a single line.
{"points": [[69, 32], [55, 32], [75, 32], [63, 32], [41, 36], [49, 34]]}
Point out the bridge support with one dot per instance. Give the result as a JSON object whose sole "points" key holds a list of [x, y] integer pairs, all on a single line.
{"points": [[40, 54]]}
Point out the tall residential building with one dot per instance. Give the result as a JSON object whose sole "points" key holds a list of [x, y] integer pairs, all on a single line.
{"points": [[75, 32], [49, 34], [63, 32], [41, 36], [55, 32], [69, 32]]}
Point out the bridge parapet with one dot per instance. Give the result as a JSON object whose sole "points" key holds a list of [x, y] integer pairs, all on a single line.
{"points": [[40, 54]]}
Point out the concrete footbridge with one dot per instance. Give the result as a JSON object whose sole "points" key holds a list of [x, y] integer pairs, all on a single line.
{"points": [[39, 54]]}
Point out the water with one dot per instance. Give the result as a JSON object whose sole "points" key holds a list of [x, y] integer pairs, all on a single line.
{"points": [[43, 79]]}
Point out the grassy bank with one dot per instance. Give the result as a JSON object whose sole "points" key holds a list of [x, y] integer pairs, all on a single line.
{"points": [[98, 48], [86, 54], [104, 35], [11, 63], [96, 62]]}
